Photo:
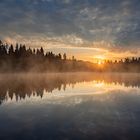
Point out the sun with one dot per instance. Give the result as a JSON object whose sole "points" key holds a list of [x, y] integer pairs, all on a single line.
{"points": [[99, 59], [99, 62]]}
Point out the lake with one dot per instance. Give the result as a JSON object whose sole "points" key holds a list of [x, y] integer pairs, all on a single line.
{"points": [[70, 106]]}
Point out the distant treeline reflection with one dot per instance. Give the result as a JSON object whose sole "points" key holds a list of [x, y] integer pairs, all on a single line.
{"points": [[26, 85], [19, 58]]}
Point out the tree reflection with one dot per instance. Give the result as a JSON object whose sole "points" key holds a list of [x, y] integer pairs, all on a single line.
{"points": [[26, 85]]}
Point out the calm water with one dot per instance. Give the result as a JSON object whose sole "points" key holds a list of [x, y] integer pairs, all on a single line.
{"points": [[70, 106]]}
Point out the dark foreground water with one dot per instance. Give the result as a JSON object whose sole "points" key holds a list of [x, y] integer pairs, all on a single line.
{"points": [[78, 106]]}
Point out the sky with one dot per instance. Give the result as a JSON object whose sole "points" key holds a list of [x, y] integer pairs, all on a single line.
{"points": [[87, 29]]}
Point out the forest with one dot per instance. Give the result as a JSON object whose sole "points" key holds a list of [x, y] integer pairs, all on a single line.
{"points": [[20, 58]]}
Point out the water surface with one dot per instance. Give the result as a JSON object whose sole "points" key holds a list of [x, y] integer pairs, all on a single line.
{"points": [[69, 106]]}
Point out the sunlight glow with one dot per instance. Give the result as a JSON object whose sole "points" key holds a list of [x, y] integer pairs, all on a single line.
{"points": [[99, 62], [99, 59]]}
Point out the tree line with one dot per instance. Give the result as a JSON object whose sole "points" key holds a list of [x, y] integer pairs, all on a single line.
{"points": [[19, 58], [124, 65]]}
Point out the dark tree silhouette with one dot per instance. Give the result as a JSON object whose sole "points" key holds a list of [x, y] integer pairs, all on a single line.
{"points": [[19, 58]]}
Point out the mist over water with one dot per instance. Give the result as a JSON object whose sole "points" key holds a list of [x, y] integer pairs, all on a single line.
{"points": [[70, 106]]}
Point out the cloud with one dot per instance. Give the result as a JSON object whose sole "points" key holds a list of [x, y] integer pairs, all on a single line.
{"points": [[112, 24]]}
